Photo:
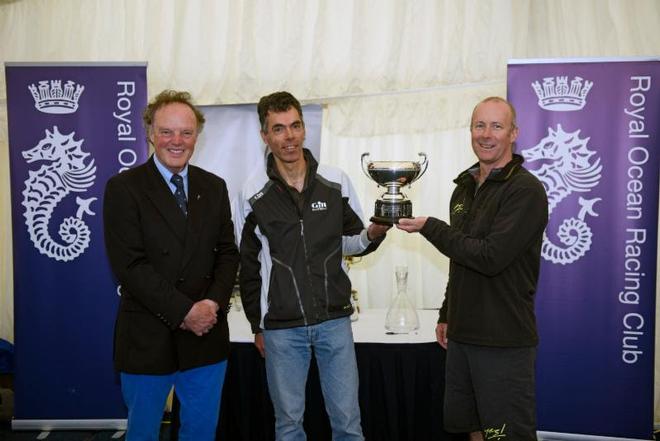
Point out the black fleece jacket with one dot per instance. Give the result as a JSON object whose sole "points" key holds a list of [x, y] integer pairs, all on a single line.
{"points": [[494, 243]]}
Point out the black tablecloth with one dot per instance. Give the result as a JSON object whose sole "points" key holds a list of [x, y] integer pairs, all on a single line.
{"points": [[401, 393]]}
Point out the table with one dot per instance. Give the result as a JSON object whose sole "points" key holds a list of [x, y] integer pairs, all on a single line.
{"points": [[401, 385], [369, 328]]}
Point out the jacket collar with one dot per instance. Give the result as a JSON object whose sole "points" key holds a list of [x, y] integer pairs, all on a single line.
{"points": [[161, 195], [310, 174], [185, 228], [497, 174]]}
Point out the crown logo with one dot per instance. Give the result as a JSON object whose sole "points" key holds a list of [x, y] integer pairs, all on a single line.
{"points": [[555, 94], [49, 97]]}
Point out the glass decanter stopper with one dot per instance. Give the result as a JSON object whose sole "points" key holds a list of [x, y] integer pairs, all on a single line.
{"points": [[235, 299], [401, 317]]}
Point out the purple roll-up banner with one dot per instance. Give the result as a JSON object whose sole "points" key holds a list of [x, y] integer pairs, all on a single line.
{"points": [[589, 130], [71, 127]]}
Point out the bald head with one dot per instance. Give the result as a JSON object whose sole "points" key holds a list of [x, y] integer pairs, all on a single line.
{"points": [[496, 99]]}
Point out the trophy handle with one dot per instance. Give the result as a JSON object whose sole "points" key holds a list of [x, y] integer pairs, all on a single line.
{"points": [[422, 165], [364, 169]]}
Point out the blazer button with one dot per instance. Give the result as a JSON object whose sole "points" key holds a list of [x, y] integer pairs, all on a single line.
{"points": [[207, 277], [181, 280], [165, 252]]}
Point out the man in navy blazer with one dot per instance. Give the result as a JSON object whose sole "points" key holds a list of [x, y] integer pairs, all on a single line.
{"points": [[170, 241]]}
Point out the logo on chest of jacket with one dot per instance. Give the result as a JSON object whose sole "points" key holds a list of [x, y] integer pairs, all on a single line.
{"points": [[459, 208], [319, 206]]}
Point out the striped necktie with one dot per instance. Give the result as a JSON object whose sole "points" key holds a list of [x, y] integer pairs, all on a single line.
{"points": [[180, 194]]}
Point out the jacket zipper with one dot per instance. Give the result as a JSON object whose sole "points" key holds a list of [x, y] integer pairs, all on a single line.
{"points": [[309, 271]]}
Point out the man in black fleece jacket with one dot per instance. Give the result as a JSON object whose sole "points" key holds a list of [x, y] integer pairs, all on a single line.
{"points": [[498, 213]]}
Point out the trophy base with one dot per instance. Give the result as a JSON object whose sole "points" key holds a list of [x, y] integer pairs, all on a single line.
{"points": [[388, 213], [387, 220]]}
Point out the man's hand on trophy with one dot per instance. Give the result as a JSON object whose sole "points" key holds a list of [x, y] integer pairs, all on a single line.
{"points": [[411, 225], [374, 231]]}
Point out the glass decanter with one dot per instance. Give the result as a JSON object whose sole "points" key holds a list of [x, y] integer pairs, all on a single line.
{"points": [[356, 306], [355, 303], [235, 299], [401, 316]]}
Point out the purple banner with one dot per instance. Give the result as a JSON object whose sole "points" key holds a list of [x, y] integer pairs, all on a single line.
{"points": [[589, 131], [70, 129]]}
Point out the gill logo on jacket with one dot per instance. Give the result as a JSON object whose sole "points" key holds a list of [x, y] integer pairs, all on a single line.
{"points": [[319, 206]]}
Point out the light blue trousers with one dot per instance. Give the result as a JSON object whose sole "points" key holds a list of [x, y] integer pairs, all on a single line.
{"points": [[288, 353]]}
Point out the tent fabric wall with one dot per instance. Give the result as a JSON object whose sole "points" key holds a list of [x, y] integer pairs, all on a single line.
{"points": [[397, 77]]}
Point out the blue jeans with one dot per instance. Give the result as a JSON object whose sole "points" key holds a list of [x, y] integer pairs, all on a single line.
{"points": [[199, 390], [288, 353]]}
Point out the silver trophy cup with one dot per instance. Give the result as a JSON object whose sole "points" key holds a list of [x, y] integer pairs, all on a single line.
{"points": [[393, 205]]}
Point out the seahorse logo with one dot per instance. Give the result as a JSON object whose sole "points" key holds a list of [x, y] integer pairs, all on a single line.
{"points": [[65, 172], [568, 166]]}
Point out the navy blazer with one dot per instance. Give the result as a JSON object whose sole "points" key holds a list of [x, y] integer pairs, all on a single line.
{"points": [[165, 262]]}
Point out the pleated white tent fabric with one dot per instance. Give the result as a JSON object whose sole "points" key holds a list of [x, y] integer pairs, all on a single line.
{"points": [[395, 78]]}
